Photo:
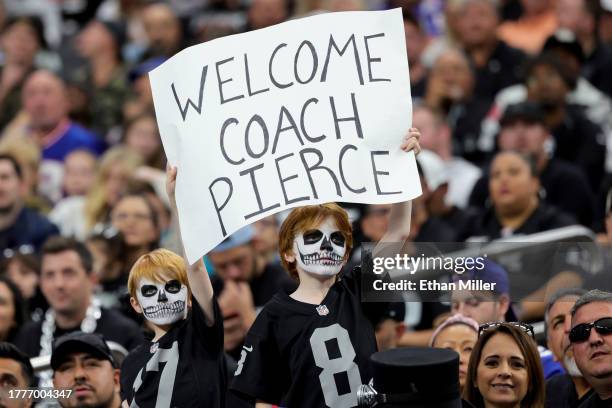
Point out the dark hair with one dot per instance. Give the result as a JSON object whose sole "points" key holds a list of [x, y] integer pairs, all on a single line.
{"points": [[535, 376], [11, 352], [529, 159], [10, 158], [551, 59], [35, 24], [57, 244], [18, 305]]}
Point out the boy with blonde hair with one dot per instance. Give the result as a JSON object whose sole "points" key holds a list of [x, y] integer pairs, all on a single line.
{"points": [[183, 365]]}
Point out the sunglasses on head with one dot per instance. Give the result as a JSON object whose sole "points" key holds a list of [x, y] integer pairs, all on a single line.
{"points": [[527, 328], [581, 332]]}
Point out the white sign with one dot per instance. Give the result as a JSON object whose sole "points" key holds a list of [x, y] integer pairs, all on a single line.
{"points": [[305, 112]]}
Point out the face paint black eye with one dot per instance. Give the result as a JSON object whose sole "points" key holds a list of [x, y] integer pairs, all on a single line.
{"points": [[173, 286], [148, 290], [312, 236], [337, 238]]}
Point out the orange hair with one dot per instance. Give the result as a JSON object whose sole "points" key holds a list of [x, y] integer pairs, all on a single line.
{"points": [[304, 218], [158, 266]]}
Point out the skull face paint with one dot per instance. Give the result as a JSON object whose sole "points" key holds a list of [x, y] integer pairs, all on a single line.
{"points": [[320, 250], [162, 303]]}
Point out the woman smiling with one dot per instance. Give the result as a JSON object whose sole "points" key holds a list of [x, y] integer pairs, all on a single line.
{"points": [[505, 369]]}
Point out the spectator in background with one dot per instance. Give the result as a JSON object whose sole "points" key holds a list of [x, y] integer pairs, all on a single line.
{"points": [[592, 344], [416, 42], [105, 78], [504, 368], [569, 389], [457, 333], [580, 16], [563, 184], [45, 101], [436, 137], [437, 178], [20, 40], [496, 64], [137, 224], [140, 99], [79, 172], [605, 23], [596, 106], [83, 363], [17, 372], [142, 136], [78, 216], [577, 139], [12, 310], [516, 208], [264, 13], [535, 25], [19, 225], [27, 153], [450, 91], [163, 30], [388, 322], [23, 269], [265, 239], [244, 283], [67, 282]]}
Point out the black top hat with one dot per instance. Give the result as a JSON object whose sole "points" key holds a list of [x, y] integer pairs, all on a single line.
{"points": [[78, 341], [416, 377]]}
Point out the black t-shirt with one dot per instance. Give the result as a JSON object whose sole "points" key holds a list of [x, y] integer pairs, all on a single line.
{"points": [[565, 186], [184, 368], [303, 355], [595, 402], [111, 324], [544, 218], [561, 393], [503, 69]]}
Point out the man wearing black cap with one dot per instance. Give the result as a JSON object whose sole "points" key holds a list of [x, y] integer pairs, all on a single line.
{"points": [[83, 363], [15, 373], [564, 184]]}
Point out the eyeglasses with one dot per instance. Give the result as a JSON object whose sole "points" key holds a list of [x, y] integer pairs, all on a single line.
{"points": [[527, 328], [582, 332]]}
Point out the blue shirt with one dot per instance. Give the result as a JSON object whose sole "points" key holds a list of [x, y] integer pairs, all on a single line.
{"points": [[71, 137]]}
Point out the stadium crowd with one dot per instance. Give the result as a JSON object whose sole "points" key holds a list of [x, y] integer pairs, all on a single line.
{"points": [[513, 103]]}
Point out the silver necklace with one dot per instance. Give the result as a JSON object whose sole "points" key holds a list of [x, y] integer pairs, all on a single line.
{"points": [[88, 325]]}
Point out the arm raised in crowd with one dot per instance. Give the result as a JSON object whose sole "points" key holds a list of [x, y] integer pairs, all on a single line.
{"points": [[199, 281]]}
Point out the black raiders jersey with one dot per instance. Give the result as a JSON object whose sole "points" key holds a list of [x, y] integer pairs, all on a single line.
{"points": [[185, 368], [303, 355]]}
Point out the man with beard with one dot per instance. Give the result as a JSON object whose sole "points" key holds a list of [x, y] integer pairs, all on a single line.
{"points": [[19, 226], [83, 364], [570, 389]]}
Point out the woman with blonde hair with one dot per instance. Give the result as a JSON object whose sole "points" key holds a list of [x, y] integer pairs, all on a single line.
{"points": [[81, 215]]}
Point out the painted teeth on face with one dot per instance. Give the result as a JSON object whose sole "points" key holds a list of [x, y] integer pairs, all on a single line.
{"points": [[321, 250], [164, 310]]}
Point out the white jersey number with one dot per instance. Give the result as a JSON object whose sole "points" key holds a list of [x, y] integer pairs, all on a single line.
{"points": [[330, 366], [166, 379]]}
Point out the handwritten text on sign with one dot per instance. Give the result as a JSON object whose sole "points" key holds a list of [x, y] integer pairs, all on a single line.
{"points": [[308, 111]]}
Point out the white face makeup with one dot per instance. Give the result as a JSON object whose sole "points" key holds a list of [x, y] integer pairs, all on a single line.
{"points": [[162, 303], [320, 250]]}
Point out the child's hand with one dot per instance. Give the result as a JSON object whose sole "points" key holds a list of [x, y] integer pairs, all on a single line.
{"points": [[411, 141], [171, 184]]}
